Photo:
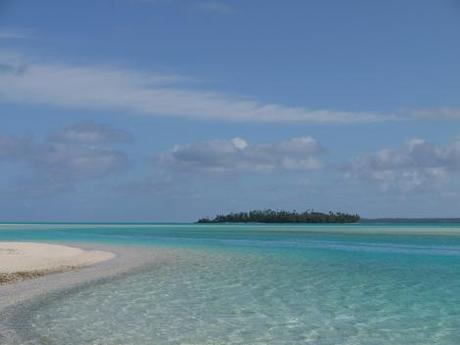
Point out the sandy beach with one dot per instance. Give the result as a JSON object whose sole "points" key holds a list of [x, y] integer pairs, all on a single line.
{"points": [[37, 270], [23, 260]]}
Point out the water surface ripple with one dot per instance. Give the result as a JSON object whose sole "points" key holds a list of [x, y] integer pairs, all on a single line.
{"points": [[261, 285]]}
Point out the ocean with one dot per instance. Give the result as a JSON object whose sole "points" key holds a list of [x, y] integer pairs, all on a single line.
{"points": [[360, 284]]}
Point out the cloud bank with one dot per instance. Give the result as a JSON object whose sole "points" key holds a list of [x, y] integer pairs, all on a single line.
{"points": [[76, 152], [237, 156], [416, 165], [135, 92], [447, 113]]}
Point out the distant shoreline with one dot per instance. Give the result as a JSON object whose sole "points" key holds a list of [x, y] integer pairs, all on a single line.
{"points": [[361, 221], [409, 220]]}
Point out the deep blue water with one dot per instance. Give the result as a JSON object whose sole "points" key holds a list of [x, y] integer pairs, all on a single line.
{"points": [[258, 284]]}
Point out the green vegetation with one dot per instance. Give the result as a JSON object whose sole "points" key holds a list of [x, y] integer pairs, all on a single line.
{"points": [[277, 216]]}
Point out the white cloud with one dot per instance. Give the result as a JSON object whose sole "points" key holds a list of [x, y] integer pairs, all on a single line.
{"points": [[448, 113], [237, 155], [239, 143], [131, 91], [416, 165]]}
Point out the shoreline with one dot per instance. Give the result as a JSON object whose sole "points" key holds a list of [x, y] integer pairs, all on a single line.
{"points": [[27, 260], [16, 298]]}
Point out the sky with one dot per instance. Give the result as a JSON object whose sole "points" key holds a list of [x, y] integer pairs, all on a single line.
{"points": [[172, 110]]}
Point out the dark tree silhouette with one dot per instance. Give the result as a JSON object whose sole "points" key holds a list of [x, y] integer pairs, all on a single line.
{"points": [[279, 216]]}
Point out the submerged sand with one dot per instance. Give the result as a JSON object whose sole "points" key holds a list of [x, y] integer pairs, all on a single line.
{"points": [[17, 297], [23, 260]]}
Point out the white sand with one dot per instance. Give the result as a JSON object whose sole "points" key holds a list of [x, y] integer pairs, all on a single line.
{"points": [[20, 257], [17, 295]]}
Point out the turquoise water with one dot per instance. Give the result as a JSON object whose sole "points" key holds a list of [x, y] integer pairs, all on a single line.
{"points": [[352, 284]]}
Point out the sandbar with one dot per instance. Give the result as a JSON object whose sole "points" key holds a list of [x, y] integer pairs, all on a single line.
{"points": [[24, 260]]}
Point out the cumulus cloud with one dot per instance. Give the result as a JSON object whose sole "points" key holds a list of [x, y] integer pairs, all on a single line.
{"points": [[131, 91], [416, 165], [73, 153], [237, 155]]}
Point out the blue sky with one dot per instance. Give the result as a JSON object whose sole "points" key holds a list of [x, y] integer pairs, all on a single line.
{"points": [[169, 110]]}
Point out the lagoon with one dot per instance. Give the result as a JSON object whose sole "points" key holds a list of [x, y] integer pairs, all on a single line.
{"points": [[256, 284]]}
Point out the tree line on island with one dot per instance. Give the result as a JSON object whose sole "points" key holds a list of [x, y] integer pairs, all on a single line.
{"points": [[279, 216]]}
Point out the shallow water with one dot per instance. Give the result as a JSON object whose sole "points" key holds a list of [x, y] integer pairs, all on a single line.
{"points": [[372, 284]]}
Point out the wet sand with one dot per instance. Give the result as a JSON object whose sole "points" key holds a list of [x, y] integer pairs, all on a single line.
{"points": [[15, 297]]}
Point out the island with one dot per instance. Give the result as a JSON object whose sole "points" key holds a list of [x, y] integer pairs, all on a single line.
{"points": [[280, 216]]}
